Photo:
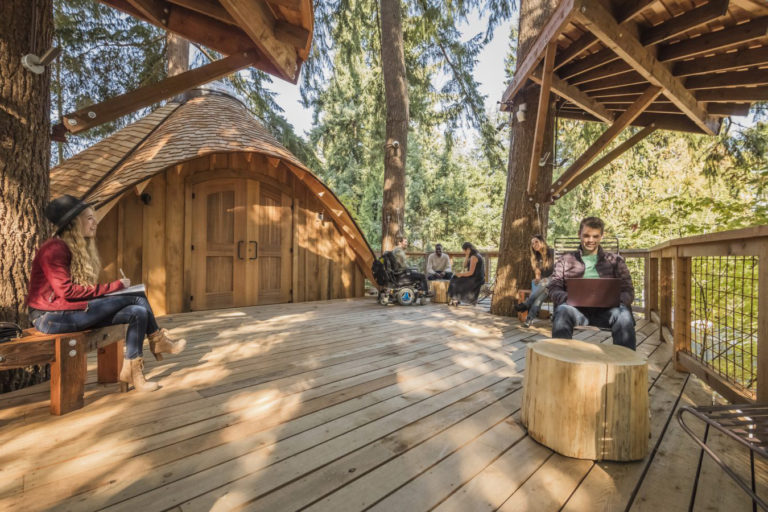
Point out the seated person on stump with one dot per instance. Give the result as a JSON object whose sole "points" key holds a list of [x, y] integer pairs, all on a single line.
{"points": [[402, 264], [439, 264], [590, 261]]}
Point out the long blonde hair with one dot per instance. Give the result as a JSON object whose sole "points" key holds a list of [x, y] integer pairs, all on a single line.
{"points": [[86, 264], [540, 260]]}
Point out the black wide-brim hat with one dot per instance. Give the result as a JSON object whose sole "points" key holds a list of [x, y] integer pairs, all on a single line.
{"points": [[62, 210]]}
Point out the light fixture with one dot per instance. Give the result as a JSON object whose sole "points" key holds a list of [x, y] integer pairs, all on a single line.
{"points": [[37, 64]]}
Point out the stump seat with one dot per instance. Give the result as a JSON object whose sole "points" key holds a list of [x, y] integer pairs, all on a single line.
{"points": [[439, 287], [67, 354], [587, 401]]}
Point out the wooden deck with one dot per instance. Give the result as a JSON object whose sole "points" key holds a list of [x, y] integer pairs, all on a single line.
{"points": [[341, 405]]}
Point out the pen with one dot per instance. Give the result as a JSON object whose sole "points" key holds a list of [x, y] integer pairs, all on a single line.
{"points": [[123, 274]]}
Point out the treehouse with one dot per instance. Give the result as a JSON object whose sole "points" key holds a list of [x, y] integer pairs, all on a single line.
{"points": [[199, 202]]}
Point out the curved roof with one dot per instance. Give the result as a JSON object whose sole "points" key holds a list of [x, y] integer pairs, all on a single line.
{"points": [[206, 123]]}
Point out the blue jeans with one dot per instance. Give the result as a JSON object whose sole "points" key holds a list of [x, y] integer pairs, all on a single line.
{"points": [[535, 299], [104, 311], [619, 320]]}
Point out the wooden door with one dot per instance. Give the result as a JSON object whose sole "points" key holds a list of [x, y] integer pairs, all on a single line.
{"points": [[218, 245], [274, 237], [241, 234]]}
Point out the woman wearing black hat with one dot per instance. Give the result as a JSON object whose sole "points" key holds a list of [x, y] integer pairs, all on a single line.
{"points": [[64, 295]]}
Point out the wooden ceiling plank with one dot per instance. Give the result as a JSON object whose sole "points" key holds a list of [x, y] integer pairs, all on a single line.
{"points": [[728, 109], [576, 96], [678, 25], [562, 184], [728, 79], [259, 23], [656, 107], [617, 67], [155, 10], [601, 23], [729, 95], [612, 155], [725, 62], [715, 41], [542, 114], [559, 19], [615, 82], [604, 56], [210, 8], [626, 89], [118, 106], [632, 8], [574, 49]]}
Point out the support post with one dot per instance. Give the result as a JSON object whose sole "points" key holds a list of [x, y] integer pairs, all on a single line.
{"points": [[653, 284], [682, 329], [762, 323], [68, 374], [665, 293], [110, 362]]}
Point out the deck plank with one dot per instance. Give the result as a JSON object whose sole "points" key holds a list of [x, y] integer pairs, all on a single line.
{"points": [[334, 405]]}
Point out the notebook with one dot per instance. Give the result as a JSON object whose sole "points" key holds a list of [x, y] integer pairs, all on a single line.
{"points": [[593, 293]]}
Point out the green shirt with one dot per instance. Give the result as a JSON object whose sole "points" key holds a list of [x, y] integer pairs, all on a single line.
{"points": [[590, 272]]}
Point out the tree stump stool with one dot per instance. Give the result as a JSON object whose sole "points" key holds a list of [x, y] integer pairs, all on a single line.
{"points": [[587, 401], [440, 288]]}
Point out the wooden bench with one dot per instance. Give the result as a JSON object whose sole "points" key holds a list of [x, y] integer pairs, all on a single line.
{"points": [[67, 354]]}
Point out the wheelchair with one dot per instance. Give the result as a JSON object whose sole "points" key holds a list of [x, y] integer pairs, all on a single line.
{"points": [[397, 286]]}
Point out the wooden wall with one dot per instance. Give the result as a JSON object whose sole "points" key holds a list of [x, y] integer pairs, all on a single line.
{"points": [[150, 241]]}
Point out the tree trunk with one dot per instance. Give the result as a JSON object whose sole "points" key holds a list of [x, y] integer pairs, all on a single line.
{"points": [[177, 54], [522, 218], [396, 92], [25, 27]]}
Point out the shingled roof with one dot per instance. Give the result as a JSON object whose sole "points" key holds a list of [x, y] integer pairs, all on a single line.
{"points": [[208, 122]]}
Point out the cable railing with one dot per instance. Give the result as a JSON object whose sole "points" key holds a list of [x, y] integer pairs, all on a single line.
{"points": [[705, 292]]}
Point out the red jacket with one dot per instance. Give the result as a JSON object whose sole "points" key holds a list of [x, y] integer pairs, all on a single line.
{"points": [[50, 285]]}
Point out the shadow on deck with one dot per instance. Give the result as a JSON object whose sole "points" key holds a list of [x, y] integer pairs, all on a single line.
{"points": [[341, 405]]}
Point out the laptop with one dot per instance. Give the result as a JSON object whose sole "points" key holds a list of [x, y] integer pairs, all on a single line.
{"points": [[593, 293]]}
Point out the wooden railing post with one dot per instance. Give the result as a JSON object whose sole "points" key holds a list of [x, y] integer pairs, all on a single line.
{"points": [[646, 285], [762, 323], [653, 285], [682, 328], [665, 295]]}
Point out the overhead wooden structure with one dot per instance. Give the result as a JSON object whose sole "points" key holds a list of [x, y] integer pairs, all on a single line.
{"points": [[271, 35], [199, 202], [658, 64]]}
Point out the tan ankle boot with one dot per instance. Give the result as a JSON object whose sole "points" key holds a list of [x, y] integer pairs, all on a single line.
{"points": [[160, 342], [132, 374]]}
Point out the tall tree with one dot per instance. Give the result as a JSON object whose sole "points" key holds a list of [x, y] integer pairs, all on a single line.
{"points": [[25, 27], [523, 217], [396, 142]]}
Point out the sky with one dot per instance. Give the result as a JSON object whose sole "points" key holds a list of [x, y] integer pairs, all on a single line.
{"points": [[489, 72]]}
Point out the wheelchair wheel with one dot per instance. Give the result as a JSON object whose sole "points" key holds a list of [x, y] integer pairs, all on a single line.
{"points": [[405, 296]]}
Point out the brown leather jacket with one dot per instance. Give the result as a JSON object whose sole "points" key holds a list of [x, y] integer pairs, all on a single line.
{"points": [[570, 265]]}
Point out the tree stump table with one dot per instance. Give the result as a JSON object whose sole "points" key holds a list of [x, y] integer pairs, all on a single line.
{"points": [[587, 401], [440, 288]]}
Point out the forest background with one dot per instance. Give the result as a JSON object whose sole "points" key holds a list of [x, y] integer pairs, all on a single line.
{"points": [[668, 186]]}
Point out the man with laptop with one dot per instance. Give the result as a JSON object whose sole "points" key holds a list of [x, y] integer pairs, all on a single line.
{"points": [[592, 287]]}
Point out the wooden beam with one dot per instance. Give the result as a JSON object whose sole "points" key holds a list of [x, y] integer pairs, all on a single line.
{"points": [[726, 62], [656, 107], [612, 155], [573, 50], [542, 114], [155, 10], [294, 35], [615, 82], [210, 8], [563, 182], [729, 95], [259, 23], [728, 79], [674, 122], [678, 25], [728, 109], [576, 96], [113, 108], [635, 89], [632, 8], [617, 67], [601, 23], [714, 41], [554, 25], [294, 5]]}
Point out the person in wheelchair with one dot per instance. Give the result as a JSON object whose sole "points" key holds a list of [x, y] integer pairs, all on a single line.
{"points": [[398, 282]]}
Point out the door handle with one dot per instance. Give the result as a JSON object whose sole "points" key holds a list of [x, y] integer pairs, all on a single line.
{"points": [[255, 249], [239, 246]]}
